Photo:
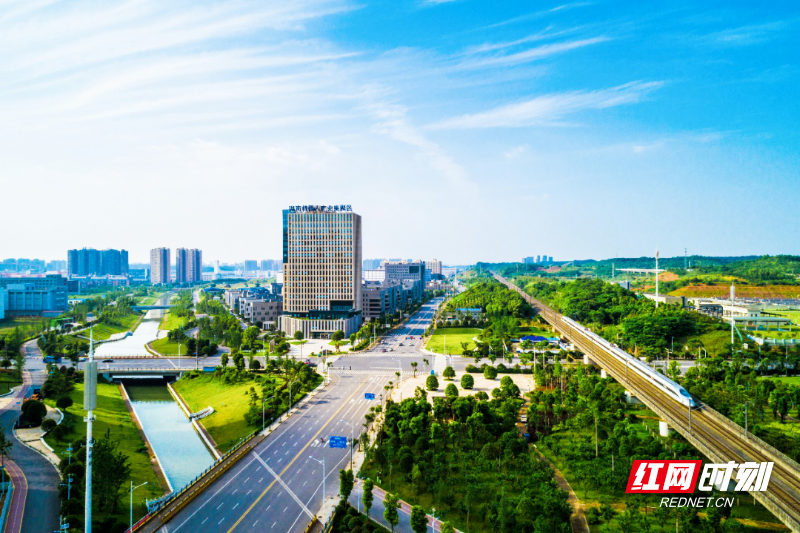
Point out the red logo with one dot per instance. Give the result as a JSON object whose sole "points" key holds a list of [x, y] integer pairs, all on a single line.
{"points": [[671, 477]]}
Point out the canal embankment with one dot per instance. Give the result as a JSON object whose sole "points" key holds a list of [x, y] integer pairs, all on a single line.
{"points": [[157, 468]]}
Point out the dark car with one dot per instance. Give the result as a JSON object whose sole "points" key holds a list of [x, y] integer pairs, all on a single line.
{"points": [[108, 361]]}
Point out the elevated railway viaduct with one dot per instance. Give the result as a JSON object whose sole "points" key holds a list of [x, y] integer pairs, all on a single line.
{"points": [[714, 435]]}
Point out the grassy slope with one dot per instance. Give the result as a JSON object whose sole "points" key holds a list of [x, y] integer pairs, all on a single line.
{"points": [[743, 291], [171, 321], [104, 331], [455, 336], [230, 402], [8, 324], [594, 497], [112, 414]]}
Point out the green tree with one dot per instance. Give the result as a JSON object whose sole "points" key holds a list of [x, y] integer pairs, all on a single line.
{"points": [[451, 391], [111, 470], [366, 497], [467, 382], [390, 506], [223, 359], [346, 482], [490, 372], [338, 335], [419, 519], [431, 383], [446, 527], [64, 403], [298, 335], [448, 373]]}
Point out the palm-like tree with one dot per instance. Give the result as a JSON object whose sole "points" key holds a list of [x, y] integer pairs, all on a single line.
{"points": [[414, 367]]}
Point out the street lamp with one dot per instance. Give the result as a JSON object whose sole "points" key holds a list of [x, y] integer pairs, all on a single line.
{"points": [[322, 462], [352, 441], [132, 489], [262, 411]]}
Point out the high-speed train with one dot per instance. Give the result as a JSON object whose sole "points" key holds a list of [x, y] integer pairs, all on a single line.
{"points": [[666, 385]]}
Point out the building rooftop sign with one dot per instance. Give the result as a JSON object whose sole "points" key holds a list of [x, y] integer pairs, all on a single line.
{"points": [[319, 208]]}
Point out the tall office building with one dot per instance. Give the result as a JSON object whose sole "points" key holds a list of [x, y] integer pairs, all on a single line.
{"points": [[250, 265], [188, 265], [159, 266], [321, 270], [91, 262]]}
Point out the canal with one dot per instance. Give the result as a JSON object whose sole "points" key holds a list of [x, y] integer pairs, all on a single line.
{"points": [[180, 450], [133, 344]]}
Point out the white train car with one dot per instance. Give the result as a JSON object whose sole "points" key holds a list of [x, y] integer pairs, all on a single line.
{"points": [[659, 380]]}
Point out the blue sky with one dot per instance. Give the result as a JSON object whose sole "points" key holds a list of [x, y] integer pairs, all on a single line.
{"points": [[462, 130]]}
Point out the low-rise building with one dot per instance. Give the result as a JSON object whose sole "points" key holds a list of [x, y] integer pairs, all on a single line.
{"points": [[42, 295], [260, 310], [380, 298]]}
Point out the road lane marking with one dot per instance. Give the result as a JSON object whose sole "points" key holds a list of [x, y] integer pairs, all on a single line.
{"points": [[302, 450], [204, 521]]}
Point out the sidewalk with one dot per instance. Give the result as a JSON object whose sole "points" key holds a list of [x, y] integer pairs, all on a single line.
{"points": [[17, 510], [376, 512], [578, 518]]}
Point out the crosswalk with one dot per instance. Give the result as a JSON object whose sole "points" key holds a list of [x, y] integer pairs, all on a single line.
{"points": [[369, 372], [386, 354]]}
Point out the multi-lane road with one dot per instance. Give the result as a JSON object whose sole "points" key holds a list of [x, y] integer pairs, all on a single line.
{"points": [[279, 485]]}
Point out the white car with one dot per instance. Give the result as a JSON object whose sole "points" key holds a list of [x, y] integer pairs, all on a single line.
{"points": [[524, 418]]}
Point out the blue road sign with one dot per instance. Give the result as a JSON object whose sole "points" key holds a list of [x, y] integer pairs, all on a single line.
{"points": [[338, 442], [369, 395]]}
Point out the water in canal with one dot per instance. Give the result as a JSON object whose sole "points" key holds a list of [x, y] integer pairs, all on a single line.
{"points": [[178, 446], [134, 344]]}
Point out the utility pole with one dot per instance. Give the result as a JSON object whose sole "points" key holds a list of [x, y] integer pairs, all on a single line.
{"points": [[656, 278], [352, 441], [90, 404]]}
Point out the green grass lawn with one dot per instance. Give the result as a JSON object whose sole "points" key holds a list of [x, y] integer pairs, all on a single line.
{"points": [[8, 324], [8, 381], [168, 347], [714, 341], [455, 336], [792, 314], [790, 380], [775, 334], [230, 402], [171, 321], [112, 415]]}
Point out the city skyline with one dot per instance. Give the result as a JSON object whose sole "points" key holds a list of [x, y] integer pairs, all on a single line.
{"points": [[629, 127]]}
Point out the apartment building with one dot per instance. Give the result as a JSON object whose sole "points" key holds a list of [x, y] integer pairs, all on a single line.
{"points": [[188, 265], [160, 266]]}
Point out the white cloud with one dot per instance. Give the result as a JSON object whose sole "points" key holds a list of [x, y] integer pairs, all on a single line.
{"points": [[515, 152], [532, 54], [550, 108]]}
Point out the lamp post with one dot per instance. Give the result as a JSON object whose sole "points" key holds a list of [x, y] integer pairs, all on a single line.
{"points": [[352, 441], [90, 404], [132, 489], [262, 411], [179, 357], [322, 462]]}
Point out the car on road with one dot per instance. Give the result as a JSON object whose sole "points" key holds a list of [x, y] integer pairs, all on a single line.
{"points": [[108, 361], [523, 419]]}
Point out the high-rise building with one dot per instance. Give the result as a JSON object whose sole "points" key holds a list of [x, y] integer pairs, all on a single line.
{"points": [[91, 262], [321, 270], [434, 266], [159, 266], [56, 265], [250, 265], [188, 265]]}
